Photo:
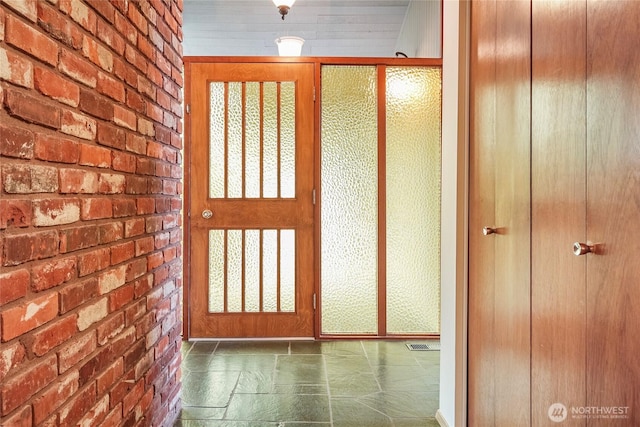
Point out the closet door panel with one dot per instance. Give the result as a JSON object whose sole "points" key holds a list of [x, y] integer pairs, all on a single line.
{"points": [[613, 214], [512, 250], [558, 209], [482, 329]]}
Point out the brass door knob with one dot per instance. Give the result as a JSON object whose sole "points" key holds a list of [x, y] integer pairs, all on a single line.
{"points": [[489, 230], [206, 214], [583, 248]]}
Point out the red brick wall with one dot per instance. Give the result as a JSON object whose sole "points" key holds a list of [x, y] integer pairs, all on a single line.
{"points": [[90, 212]]}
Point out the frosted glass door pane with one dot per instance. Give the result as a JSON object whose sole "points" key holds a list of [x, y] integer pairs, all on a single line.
{"points": [[252, 271], [270, 141], [349, 175], [217, 125], [287, 139], [252, 140], [413, 199]]}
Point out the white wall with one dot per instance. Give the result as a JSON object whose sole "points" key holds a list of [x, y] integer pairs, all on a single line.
{"points": [[453, 373]]}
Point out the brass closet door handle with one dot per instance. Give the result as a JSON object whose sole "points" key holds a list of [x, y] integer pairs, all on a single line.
{"points": [[583, 248], [489, 230]]}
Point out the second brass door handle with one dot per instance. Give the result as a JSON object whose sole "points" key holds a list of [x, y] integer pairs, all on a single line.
{"points": [[583, 248], [489, 230]]}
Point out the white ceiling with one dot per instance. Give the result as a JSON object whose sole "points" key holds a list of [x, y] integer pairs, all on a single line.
{"points": [[353, 28]]}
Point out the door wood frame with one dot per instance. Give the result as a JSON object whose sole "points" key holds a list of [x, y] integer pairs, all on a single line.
{"points": [[318, 62]]}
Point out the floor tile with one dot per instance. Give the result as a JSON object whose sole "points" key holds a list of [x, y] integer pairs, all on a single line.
{"points": [[253, 347], [351, 413], [279, 407], [300, 369], [208, 389]]}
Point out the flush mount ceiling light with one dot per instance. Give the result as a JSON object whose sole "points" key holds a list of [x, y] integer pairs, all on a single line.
{"points": [[289, 46], [284, 6]]}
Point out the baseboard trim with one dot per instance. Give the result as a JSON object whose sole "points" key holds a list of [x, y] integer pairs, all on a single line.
{"points": [[440, 419]]}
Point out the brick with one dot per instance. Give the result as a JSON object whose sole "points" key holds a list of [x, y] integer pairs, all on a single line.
{"points": [[120, 297], [110, 327], [145, 205], [145, 166], [93, 261], [78, 293], [76, 350], [114, 418], [80, 13], [122, 252], [110, 232], [32, 109], [97, 54], [26, 8], [54, 273], [95, 415], [124, 208], [111, 136], [16, 141], [134, 354], [77, 406], [136, 310], [61, 390], [153, 224], [144, 245], [110, 87], [112, 279], [78, 125], [16, 69], [49, 212], [53, 335], [15, 213], [21, 418], [91, 367], [54, 86], [123, 162], [78, 69], [96, 106], [78, 181], [143, 285], [155, 260], [29, 179], [11, 356], [28, 316], [145, 85], [58, 27], [133, 57], [30, 40], [136, 185], [108, 34], [124, 117], [136, 102], [91, 314], [134, 227], [96, 208], [73, 239], [32, 379], [109, 376], [14, 285], [111, 184], [22, 248], [131, 398], [55, 149], [136, 144], [123, 342], [91, 155]]}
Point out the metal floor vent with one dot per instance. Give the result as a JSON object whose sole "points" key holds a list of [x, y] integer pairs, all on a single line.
{"points": [[434, 346]]}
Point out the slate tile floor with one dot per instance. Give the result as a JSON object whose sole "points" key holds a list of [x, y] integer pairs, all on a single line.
{"points": [[308, 384]]}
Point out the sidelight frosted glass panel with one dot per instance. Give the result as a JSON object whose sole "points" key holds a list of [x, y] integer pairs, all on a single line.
{"points": [[217, 124], [270, 141], [287, 270], [234, 271], [349, 200], [413, 199], [252, 140], [216, 271], [270, 270], [287, 140], [252, 270]]}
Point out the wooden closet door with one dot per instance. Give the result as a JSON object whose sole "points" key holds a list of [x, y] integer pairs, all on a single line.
{"points": [[558, 209], [499, 285], [613, 208]]}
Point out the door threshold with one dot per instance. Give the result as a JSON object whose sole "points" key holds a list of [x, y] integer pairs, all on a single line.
{"points": [[252, 339]]}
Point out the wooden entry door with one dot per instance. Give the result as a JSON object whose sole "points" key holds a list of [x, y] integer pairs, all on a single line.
{"points": [[251, 205]]}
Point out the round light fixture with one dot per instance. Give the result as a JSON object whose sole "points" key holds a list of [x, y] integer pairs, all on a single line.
{"points": [[289, 45]]}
